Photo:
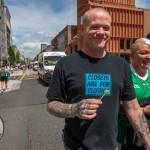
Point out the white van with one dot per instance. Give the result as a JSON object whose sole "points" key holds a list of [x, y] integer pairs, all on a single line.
{"points": [[47, 62]]}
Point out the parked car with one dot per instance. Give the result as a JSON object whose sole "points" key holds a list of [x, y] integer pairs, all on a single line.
{"points": [[35, 66]]}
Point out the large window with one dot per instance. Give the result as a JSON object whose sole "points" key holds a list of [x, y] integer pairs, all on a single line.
{"points": [[51, 60]]}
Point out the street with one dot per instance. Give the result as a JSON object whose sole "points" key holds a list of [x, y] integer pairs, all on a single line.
{"points": [[27, 124]]}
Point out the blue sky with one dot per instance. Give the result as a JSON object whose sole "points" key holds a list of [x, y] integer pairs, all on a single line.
{"points": [[38, 21]]}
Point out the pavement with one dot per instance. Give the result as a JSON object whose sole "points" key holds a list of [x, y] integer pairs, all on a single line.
{"points": [[16, 79], [14, 82]]}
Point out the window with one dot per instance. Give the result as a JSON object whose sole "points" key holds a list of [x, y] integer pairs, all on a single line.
{"points": [[81, 19], [76, 47], [122, 44], [126, 57], [128, 44]]}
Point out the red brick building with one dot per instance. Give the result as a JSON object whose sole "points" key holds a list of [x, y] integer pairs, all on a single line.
{"points": [[128, 24], [62, 39]]}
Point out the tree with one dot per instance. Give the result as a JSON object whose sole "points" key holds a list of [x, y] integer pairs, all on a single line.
{"points": [[11, 55], [17, 58]]}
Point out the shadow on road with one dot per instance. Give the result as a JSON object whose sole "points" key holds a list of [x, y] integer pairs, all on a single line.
{"points": [[42, 83]]}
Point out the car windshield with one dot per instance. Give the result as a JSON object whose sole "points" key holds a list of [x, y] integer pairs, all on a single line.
{"points": [[36, 64], [51, 60]]}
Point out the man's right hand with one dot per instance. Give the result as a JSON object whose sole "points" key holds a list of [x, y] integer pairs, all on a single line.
{"points": [[86, 108]]}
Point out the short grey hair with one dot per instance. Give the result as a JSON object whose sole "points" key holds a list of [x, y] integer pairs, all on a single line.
{"points": [[135, 45]]}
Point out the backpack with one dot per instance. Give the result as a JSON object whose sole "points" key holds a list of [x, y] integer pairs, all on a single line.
{"points": [[2, 72]]}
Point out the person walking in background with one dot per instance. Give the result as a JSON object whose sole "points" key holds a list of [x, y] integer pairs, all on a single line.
{"points": [[7, 69], [86, 89], [140, 63], [4, 79]]}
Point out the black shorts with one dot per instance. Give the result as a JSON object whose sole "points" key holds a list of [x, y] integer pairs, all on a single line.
{"points": [[4, 78]]}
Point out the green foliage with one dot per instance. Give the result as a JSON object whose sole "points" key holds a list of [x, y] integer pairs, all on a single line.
{"points": [[17, 58], [22, 62], [11, 55]]}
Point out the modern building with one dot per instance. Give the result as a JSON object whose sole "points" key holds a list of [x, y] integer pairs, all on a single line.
{"points": [[128, 24], [46, 48], [8, 32], [146, 21], [5, 32], [2, 33], [61, 41]]}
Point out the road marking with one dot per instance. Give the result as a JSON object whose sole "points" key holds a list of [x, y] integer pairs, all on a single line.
{"points": [[29, 78], [22, 77]]}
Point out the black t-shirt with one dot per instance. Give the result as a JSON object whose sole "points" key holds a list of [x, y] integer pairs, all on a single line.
{"points": [[78, 76]]}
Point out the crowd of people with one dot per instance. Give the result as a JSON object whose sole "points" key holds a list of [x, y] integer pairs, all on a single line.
{"points": [[77, 91]]}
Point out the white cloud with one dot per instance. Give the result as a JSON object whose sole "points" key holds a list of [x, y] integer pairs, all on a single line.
{"points": [[41, 33], [38, 21], [14, 39], [31, 46], [33, 25], [29, 49], [27, 36]]}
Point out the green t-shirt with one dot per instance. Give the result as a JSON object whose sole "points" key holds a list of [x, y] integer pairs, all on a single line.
{"points": [[142, 91], [141, 87], [2, 72]]}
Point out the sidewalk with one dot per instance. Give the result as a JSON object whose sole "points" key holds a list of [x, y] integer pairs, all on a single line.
{"points": [[14, 84]]}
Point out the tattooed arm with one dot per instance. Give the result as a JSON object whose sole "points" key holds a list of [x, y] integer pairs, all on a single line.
{"points": [[138, 121], [85, 109]]}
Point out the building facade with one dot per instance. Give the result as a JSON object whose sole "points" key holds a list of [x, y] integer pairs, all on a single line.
{"points": [[8, 32], [2, 33], [63, 38], [146, 22], [45, 48], [128, 24], [5, 32]]}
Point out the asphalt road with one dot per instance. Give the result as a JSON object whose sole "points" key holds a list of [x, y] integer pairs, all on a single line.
{"points": [[27, 124]]}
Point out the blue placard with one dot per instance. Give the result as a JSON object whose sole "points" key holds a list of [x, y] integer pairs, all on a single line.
{"points": [[95, 84]]}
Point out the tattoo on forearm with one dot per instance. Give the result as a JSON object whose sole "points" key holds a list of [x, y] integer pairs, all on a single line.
{"points": [[60, 109], [68, 110], [142, 128]]}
